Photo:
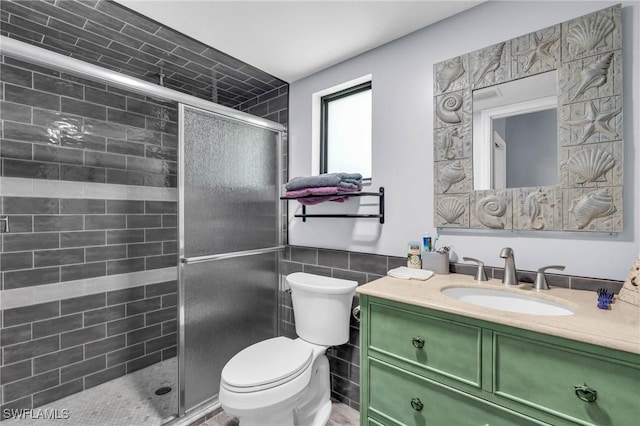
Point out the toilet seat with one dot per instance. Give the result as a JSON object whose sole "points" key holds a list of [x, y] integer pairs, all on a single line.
{"points": [[266, 364]]}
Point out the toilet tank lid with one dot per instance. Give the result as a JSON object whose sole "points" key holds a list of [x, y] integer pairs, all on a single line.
{"points": [[319, 284]]}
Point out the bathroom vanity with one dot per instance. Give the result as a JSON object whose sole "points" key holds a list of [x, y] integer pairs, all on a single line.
{"points": [[430, 359]]}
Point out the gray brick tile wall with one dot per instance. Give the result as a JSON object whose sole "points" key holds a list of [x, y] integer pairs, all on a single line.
{"points": [[43, 150], [112, 136], [58, 348], [110, 35], [54, 240]]}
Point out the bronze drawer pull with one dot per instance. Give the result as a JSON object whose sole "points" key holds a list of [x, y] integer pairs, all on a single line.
{"points": [[417, 342], [416, 404], [585, 393]]}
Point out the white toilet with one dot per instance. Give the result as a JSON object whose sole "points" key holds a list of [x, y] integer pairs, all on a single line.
{"points": [[285, 382]]}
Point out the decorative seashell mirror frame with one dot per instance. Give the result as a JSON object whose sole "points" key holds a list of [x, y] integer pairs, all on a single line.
{"points": [[587, 52]]}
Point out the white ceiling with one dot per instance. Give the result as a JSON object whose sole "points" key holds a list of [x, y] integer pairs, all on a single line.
{"points": [[294, 39]]}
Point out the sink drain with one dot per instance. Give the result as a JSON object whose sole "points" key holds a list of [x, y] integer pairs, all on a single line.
{"points": [[163, 390]]}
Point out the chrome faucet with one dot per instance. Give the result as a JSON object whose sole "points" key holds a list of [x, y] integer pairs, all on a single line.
{"points": [[510, 275]]}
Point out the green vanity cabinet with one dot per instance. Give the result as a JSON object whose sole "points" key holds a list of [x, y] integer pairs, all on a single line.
{"points": [[425, 367], [544, 376], [429, 402], [446, 347]]}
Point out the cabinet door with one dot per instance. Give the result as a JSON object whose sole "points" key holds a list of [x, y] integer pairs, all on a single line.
{"points": [[544, 376], [439, 345], [400, 397]]}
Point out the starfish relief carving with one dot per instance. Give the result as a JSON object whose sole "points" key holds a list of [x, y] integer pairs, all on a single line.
{"points": [[595, 121], [538, 50]]}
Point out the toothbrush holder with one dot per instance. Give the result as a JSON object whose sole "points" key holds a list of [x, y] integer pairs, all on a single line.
{"points": [[436, 262]]}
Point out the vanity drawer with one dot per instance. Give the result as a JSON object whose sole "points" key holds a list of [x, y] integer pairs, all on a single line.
{"points": [[446, 347], [543, 376], [408, 399]]}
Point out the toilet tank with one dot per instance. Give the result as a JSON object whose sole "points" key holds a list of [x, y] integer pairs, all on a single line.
{"points": [[322, 307]]}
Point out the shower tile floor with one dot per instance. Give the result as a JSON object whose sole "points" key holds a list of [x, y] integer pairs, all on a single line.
{"points": [[131, 401], [126, 401]]}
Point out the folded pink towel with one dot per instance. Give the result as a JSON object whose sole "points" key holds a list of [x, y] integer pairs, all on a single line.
{"points": [[318, 200], [322, 190], [329, 191]]}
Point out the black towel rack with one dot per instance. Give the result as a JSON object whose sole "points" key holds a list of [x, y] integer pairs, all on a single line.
{"points": [[379, 194]]}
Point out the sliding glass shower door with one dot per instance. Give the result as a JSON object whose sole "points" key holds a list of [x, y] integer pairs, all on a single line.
{"points": [[229, 224]]}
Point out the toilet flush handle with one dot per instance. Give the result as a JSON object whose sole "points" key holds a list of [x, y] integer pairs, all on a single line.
{"points": [[356, 313]]}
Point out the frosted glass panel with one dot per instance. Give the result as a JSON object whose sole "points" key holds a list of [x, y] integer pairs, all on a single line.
{"points": [[229, 305], [349, 134], [230, 185], [228, 203]]}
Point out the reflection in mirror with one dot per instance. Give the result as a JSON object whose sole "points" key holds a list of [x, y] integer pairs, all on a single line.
{"points": [[515, 133]]}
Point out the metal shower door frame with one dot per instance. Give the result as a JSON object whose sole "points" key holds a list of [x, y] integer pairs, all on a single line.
{"points": [[183, 261]]}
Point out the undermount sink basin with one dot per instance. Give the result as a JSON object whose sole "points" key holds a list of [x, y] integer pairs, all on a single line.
{"points": [[506, 301]]}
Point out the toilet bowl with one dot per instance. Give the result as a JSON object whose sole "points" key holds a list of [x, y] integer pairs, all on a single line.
{"points": [[282, 381]]}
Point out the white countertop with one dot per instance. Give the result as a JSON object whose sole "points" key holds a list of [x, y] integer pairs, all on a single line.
{"points": [[617, 328]]}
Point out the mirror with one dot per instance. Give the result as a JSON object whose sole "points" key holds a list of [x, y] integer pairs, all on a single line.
{"points": [[564, 170], [515, 133]]}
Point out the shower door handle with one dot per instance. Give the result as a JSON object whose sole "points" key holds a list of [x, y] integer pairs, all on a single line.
{"points": [[222, 256], [4, 221]]}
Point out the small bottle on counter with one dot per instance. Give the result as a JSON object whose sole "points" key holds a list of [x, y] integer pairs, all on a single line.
{"points": [[426, 243], [414, 259]]}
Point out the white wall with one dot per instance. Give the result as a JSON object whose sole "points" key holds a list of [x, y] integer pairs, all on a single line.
{"points": [[403, 145]]}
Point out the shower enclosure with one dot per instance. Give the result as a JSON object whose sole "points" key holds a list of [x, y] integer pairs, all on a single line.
{"points": [[229, 217], [229, 223]]}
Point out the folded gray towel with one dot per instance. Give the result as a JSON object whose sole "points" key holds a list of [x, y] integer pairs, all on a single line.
{"points": [[354, 176], [326, 179], [349, 185]]}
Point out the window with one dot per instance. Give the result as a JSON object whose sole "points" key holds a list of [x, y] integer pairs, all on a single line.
{"points": [[345, 131]]}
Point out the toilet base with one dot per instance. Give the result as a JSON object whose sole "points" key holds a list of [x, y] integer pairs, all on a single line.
{"points": [[279, 419], [320, 417], [315, 407]]}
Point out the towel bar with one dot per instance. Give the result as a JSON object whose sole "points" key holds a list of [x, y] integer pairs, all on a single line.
{"points": [[379, 216]]}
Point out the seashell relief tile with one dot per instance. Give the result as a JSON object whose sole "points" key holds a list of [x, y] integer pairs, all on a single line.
{"points": [[451, 75], [592, 165], [592, 34], [593, 209], [490, 65], [536, 52], [454, 177], [453, 109], [453, 142], [452, 211], [492, 209], [593, 121], [591, 78], [538, 209]]}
